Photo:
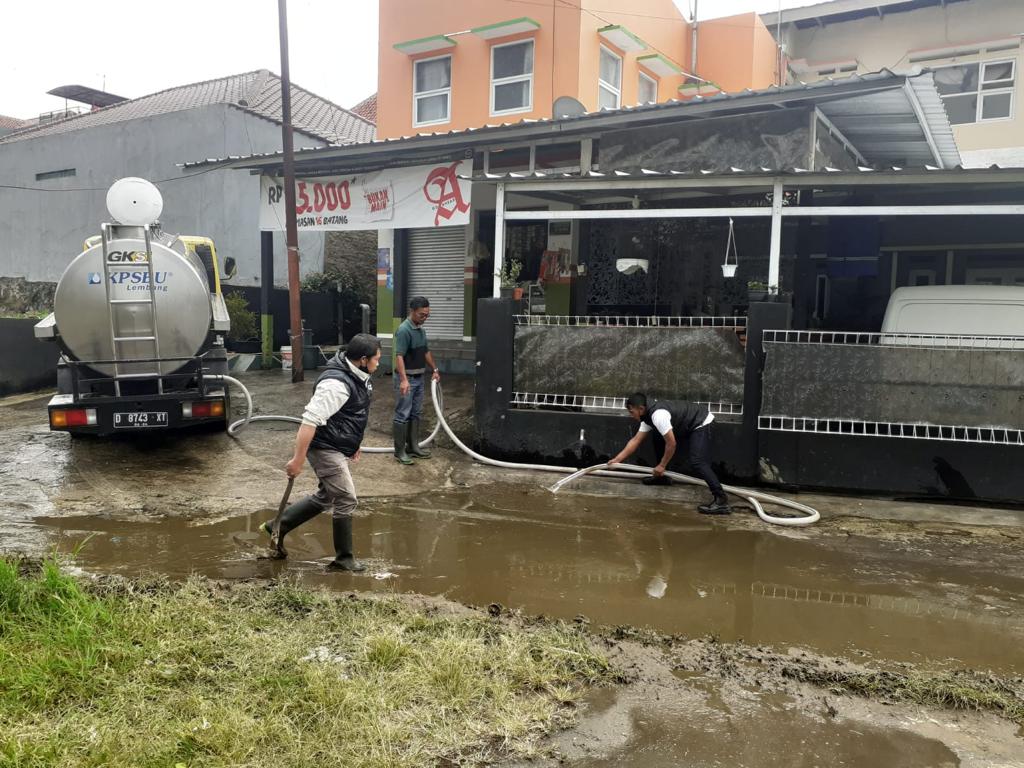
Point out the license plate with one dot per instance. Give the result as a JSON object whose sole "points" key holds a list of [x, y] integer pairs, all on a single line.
{"points": [[140, 419]]}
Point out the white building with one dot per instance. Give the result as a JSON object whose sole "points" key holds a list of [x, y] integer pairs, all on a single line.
{"points": [[973, 46]]}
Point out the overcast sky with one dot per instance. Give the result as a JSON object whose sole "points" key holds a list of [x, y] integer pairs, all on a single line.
{"points": [[136, 47]]}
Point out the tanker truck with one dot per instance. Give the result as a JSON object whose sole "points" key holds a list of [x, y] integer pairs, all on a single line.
{"points": [[139, 321]]}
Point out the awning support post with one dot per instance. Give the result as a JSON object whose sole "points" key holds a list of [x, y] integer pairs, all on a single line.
{"points": [[499, 238], [774, 255]]}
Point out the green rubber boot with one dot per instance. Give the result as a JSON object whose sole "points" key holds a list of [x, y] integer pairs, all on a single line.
{"points": [[343, 558], [297, 514], [400, 432], [412, 444]]}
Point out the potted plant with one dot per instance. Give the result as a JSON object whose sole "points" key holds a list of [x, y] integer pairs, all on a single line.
{"points": [[242, 336], [509, 276], [757, 291]]}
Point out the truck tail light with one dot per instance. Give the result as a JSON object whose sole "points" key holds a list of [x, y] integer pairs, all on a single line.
{"points": [[62, 418], [202, 409]]}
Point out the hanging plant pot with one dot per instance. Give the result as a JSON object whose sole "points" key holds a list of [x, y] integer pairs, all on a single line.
{"points": [[729, 270]]}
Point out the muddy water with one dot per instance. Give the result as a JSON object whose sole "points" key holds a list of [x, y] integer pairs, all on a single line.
{"points": [[767, 731], [942, 601]]}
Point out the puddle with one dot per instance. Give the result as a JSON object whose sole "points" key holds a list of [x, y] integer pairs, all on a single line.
{"points": [[616, 561], [772, 735]]}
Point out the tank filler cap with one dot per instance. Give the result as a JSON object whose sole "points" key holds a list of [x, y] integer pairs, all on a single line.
{"points": [[134, 202]]}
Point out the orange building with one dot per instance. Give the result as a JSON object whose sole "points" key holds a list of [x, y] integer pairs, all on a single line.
{"points": [[455, 64]]}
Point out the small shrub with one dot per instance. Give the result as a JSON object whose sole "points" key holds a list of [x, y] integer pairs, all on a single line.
{"points": [[243, 320]]}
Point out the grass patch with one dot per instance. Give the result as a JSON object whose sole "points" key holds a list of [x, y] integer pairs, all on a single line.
{"points": [[955, 690], [135, 673]]}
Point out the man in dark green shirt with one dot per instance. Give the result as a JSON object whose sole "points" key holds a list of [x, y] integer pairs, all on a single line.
{"points": [[412, 357]]}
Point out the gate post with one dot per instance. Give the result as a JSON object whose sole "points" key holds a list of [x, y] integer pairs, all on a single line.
{"points": [[495, 365], [761, 316]]}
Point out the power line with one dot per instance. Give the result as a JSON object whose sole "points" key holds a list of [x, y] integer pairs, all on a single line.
{"points": [[104, 189], [617, 12], [686, 74]]}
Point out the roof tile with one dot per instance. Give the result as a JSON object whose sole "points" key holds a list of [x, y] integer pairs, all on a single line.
{"points": [[257, 93]]}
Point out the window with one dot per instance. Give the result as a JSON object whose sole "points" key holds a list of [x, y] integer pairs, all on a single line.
{"points": [[62, 174], [977, 92], [647, 92], [609, 82], [512, 78], [432, 90]]}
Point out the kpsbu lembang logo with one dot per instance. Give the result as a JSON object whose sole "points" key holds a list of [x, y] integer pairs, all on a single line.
{"points": [[95, 278]]}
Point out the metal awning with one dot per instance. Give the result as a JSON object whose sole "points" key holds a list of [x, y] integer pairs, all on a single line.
{"points": [[904, 98], [906, 125]]}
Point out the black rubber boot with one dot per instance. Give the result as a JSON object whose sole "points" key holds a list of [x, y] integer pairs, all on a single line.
{"points": [[400, 432], [413, 441], [718, 506], [294, 516], [652, 480], [343, 559]]}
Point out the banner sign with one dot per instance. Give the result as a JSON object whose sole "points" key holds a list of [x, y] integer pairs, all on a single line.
{"points": [[395, 198]]}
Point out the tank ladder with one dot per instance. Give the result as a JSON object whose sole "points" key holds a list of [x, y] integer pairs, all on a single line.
{"points": [[117, 336]]}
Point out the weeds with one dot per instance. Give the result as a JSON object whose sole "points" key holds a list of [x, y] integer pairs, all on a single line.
{"points": [[132, 673], [955, 690]]}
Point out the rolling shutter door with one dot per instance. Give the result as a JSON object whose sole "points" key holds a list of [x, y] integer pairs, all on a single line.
{"points": [[436, 269]]}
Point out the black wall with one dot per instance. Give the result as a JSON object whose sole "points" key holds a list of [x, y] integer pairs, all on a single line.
{"points": [[319, 310], [26, 363], [893, 466]]}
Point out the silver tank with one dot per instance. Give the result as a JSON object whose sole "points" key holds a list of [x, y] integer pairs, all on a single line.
{"points": [[181, 296]]}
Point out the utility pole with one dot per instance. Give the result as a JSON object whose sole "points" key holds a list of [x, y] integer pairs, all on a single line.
{"points": [[693, 38], [292, 232], [778, 39]]}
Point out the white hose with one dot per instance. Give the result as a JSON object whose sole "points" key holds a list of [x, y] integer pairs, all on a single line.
{"points": [[752, 498], [628, 471], [237, 426]]}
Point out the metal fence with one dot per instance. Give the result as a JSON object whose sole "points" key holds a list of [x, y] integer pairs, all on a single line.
{"points": [[914, 386], [906, 340], [599, 403], [630, 321]]}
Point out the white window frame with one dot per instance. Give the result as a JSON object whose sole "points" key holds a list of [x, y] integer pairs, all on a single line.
{"points": [[653, 81], [617, 90], [513, 79], [982, 92], [447, 92]]}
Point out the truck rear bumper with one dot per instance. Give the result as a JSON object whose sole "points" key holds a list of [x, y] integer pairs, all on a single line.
{"points": [[146, 413]]}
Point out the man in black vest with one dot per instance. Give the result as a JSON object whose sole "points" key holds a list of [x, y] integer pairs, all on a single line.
{"points": [[669, 422], [332, 430]]}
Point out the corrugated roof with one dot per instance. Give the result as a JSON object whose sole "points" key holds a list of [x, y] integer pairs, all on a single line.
{"points": [[650, 173], [258, 93], [826, 94], [834, 11]]}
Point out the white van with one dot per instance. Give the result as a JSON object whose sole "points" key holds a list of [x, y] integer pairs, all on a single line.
{"points": [[992, 315]]}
